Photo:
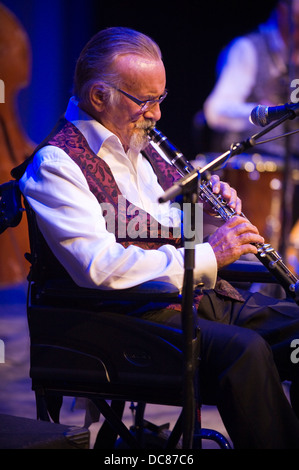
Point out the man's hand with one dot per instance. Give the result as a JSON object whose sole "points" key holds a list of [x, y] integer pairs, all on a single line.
{"points": [[234, 238], [227, 192]]}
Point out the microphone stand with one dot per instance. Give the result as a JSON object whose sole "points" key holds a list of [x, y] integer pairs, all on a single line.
{"points": [[188, 188], [287, 180]]}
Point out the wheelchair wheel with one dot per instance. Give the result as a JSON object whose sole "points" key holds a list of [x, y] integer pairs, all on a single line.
{"points": [[150, 440]]}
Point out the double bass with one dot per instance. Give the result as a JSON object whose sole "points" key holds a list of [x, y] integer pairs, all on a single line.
{"points": [[15, 146]]}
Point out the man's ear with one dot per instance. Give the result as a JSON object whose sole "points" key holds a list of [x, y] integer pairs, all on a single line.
{"points": [[96, 97]]}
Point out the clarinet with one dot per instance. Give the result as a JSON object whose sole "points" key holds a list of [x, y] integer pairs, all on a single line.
{"points": [[266, 254]]}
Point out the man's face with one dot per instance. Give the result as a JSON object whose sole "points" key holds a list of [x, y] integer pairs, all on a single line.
{"points": [[144, 79]]}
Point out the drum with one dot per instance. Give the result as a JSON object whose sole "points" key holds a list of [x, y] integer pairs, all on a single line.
{"points": [[258, 180]]}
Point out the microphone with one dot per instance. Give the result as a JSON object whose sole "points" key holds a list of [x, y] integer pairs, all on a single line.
{"points": [[264, 115]]}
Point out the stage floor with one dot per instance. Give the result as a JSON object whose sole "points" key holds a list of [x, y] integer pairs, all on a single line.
{"points": [[16, 396]]}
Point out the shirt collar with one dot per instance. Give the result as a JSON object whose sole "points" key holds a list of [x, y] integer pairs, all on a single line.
{"points": [[94, 132]]}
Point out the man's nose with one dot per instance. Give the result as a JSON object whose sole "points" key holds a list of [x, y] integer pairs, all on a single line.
{"points": [[153, 113]]}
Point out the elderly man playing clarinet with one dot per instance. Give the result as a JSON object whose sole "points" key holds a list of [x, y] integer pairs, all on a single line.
{"points": [[98, 154]]}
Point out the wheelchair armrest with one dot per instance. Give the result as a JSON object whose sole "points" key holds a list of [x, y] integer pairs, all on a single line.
{"points": [[246, 271], [151, 291]]}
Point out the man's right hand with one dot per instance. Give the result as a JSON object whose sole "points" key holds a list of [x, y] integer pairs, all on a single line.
{"points": [[234, 238]]}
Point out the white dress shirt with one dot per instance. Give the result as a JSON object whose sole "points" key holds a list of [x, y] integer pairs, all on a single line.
{"points": [[72, 222]]}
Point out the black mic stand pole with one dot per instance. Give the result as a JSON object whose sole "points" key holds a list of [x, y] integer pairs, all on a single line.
{"points": [[287, 193], [188, 188], [191, 333]]}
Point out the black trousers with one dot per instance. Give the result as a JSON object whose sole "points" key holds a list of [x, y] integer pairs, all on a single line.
{"points": [[245, 355]]}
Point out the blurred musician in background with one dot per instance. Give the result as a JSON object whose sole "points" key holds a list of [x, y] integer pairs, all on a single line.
{"points": [[255, 69], [260, 69]]}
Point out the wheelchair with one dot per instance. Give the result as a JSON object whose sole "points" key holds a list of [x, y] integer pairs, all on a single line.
{"points": [[81, 346]]}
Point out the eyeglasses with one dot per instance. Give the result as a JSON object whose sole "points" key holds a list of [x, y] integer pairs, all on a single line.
{"points": [[144, 105]]}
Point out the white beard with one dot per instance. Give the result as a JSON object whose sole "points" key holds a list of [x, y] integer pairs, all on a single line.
{"points": [[139, 139]]}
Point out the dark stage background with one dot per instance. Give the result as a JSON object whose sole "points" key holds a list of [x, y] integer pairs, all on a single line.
{"points": [[190, 33]]}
